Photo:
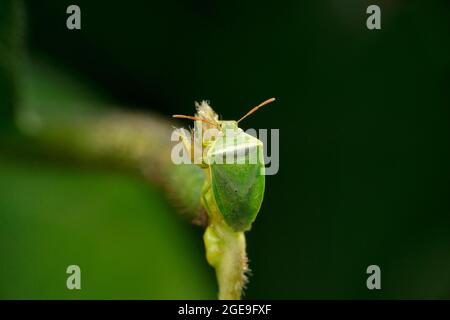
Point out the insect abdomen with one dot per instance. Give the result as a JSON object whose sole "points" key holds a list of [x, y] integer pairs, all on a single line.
{"points": [[238, 186]]}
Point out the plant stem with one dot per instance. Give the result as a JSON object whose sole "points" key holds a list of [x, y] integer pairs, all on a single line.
{"points": [[138, 143], [225, 251]]}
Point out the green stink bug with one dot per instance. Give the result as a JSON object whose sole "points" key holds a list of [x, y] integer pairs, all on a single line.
{"points": [[237, 188]]}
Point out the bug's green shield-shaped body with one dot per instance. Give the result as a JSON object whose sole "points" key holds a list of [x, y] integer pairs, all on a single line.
{"points": [[237, 178]]}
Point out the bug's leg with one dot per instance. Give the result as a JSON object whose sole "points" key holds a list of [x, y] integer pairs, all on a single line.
{"points": [[205, 192], [187, 144]]}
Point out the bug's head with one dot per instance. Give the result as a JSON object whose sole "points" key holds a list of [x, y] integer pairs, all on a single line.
{"points": [[228, 124]]}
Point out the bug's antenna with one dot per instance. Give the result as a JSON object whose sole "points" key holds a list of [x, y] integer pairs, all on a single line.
{"points": [[256, 108], [180, 116]]}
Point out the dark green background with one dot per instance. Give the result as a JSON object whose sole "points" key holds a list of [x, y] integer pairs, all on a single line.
{"points": [[364, 153]]}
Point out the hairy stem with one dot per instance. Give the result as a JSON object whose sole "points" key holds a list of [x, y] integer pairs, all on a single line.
{"points": [[225, 251], [134, 142]]}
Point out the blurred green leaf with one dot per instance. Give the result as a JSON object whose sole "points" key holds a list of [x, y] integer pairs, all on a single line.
{"points": [[126, 239]]}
